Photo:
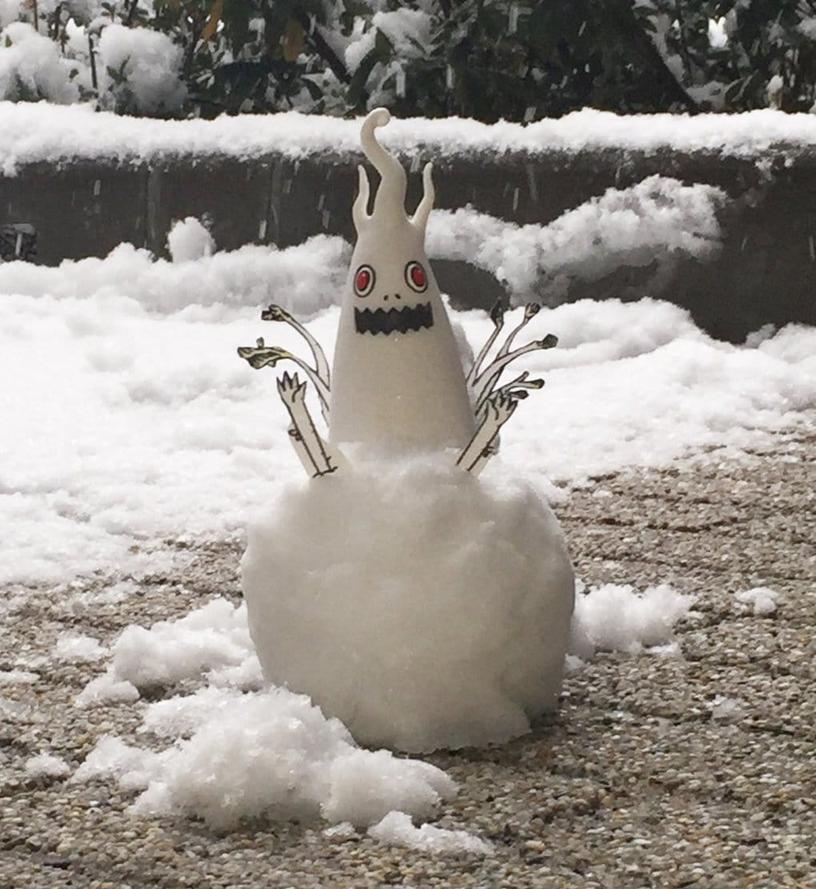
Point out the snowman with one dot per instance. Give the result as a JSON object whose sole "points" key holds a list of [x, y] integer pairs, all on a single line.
{"points": [[423, 606]]}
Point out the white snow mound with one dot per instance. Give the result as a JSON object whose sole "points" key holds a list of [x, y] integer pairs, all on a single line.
{"points": [[423, 607], [396, 829], [189, 240], [269, 754], [615, 617]]}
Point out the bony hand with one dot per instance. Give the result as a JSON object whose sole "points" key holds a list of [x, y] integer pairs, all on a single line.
{"points": [[291, 390], [502, 407], [274, 313]]}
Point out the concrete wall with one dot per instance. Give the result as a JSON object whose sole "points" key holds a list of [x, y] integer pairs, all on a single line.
{"points": [[765, 272]]}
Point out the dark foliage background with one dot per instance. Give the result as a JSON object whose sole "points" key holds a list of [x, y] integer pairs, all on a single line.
{"points": [[486, 59]]}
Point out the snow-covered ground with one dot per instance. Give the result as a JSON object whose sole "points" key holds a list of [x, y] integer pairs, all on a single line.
{"points": [[128, 417]]}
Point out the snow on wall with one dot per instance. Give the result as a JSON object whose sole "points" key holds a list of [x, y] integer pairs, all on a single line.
{"points": [[623, 227], [42, 132]]}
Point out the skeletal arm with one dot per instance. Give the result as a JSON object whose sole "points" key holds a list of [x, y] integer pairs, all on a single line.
{"points": [[278, 313], [260, 355], [498, 410], [484, 384], [314, 454]]}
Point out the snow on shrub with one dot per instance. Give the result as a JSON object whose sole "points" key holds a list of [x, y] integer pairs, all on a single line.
{"points": [[142, 70], [32, 68]]}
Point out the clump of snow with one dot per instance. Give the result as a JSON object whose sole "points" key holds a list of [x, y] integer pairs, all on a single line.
{"points": [[466, 588], [634, 226], [32, 68], [150, 63], [107, 689], [10, 11], [616, 617], [78, 648], [46, 765], [724, 709], [113, 758], [18, 677], [397, 829], [341, 832], [760, 600], [269, 753], [213, 636], [189, 240], [212, 640]]}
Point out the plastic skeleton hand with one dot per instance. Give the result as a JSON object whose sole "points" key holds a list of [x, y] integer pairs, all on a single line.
{"points": [[278, 313], [312, 451], [495, 404], [498, 410]]}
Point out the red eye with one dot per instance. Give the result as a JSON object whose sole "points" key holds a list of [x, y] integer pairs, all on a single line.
{"points": [[415, 277], [364, 280]]}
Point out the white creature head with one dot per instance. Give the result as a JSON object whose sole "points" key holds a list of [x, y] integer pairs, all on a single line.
{"points": [[391, 283], [397, 379]]}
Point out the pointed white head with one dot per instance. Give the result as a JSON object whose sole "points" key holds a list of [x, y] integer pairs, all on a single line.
{"points": [[397, 380]]}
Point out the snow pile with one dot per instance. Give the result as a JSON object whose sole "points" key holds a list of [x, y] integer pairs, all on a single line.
{"points": [[268, 753], [209, 637], [32, 68], [396, 829], [31, 133], [237, 752], [107, 689], [45, 765], [305, 278], [150, 64], [616, 617], [760, 600], [446, 598], [635, 226], [78, 648], [189, 240]]}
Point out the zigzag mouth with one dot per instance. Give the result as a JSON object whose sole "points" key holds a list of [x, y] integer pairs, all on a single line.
{"points": [[387, 321]]}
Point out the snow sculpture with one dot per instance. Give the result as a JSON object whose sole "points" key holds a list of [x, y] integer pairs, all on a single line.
{"points": [[421, 606], [397, 383]]}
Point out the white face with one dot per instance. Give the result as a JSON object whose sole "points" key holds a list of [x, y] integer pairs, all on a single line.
{"points": [[393, 289]]}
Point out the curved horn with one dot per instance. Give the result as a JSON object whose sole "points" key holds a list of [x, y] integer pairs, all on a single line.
{"points": [[359, 211], [391, 193], [420, 218]]}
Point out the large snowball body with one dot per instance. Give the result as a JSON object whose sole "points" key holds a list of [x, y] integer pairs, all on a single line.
{"points": [[422, 607]]}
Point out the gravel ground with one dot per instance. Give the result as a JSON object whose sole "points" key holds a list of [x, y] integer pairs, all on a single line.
{"points": [[635, 782]]}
